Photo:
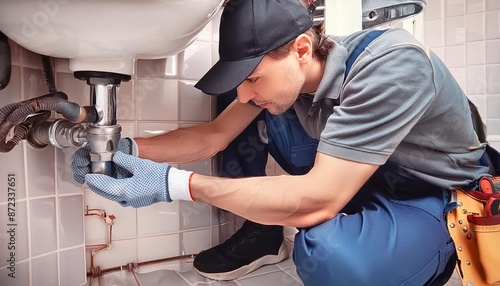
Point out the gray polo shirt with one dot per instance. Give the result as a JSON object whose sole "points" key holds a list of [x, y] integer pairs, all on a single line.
{"points": [[399, 102]]}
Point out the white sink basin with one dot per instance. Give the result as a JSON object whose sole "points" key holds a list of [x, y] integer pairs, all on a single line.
{"points": [[105, 35]]}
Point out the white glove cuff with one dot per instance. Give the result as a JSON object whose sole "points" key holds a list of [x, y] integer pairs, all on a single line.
{"points": [[178, 184], [135, 148]]}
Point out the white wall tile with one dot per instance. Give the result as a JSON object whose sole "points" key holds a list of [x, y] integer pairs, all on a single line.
{"points": [[157, 219], [492, 24], [493, 127], [125, 101], [34, 83], [72, 266], [455, 56], [43, 226], [14, 167], [21, 276], [493, 106], [195, 60], [192, 242], [194, 215], [492, 79], [454, 8], [19, 243], [62, 66], [434, 33], [475, 27], [493, 52], [476, 53], [70, 221], [45, 270], [476, 79], [434, 10], [454, 31], [12, 92], [78, 91], [156, 247], [41, 181], [474, 6], [22, 241], [31, 59], [492, 5], [64, 178], [194, 104], [157, 99], [15, 52], [158, 68], [494, 142]]}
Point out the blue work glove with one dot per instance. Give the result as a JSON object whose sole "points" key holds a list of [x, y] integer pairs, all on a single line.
{"points": [[81, 159], [150, 182]]}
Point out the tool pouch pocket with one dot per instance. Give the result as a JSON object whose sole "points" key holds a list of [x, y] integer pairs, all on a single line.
{"points": [[475, 229], [486, 231]]}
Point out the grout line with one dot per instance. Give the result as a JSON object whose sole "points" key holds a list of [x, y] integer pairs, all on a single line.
{"points": [[25, 169], [57, 218]]}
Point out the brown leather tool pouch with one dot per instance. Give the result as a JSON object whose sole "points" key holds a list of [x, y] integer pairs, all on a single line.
{"points": [[475, 229]]}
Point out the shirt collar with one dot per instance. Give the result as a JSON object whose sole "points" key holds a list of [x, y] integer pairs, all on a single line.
{"points": [[333, 76]]}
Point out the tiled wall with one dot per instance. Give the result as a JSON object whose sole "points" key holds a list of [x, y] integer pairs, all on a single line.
{"points": [[466, 36], [51, 230], [42, 229]]}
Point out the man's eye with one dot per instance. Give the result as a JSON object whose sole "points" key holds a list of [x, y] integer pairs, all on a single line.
{"points": [[252, 80]]}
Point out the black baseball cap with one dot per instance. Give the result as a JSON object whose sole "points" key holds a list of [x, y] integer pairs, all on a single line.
{"points": [[248, 30]]}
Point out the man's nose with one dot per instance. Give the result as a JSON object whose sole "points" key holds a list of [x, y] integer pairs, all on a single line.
{"points": [[245, 94]]}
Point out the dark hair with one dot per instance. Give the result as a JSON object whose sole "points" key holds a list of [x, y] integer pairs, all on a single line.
{"points": [[320, 42]]}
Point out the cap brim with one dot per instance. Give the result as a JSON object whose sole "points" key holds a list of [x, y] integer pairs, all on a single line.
{"points": [[225, 76]]}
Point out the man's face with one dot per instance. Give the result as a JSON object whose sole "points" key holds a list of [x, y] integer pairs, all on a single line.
{"points": [[274, 84]]}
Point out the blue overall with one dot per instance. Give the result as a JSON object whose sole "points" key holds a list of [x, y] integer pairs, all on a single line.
{"points": [[246, 155]]}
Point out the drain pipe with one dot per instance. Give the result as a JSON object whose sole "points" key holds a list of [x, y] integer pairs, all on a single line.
{"points": [[104, 134]]}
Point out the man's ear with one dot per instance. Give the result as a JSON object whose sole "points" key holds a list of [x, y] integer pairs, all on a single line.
{"points": [[304, 47]]}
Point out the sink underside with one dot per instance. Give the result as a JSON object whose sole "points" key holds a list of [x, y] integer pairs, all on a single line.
{"points": [[106, 35]]}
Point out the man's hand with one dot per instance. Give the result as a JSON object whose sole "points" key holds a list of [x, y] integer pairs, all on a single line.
{"points": [[149, 183], [81, 160]]}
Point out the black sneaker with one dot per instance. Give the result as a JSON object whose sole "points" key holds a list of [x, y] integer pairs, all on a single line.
{"points": [[251, 247]]}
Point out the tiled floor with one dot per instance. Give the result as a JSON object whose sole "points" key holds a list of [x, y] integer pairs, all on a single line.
{"points": [[280, 274]]}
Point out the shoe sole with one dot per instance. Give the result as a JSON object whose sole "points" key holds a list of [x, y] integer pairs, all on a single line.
{"points": [[242, 271]]}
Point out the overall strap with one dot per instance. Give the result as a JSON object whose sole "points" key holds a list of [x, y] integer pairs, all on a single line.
{"points": [[360, 48]]}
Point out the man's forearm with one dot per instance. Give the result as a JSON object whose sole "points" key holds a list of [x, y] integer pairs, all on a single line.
{"points": [[299, 201], [198, 141], [179, 146], [277, 200]]}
